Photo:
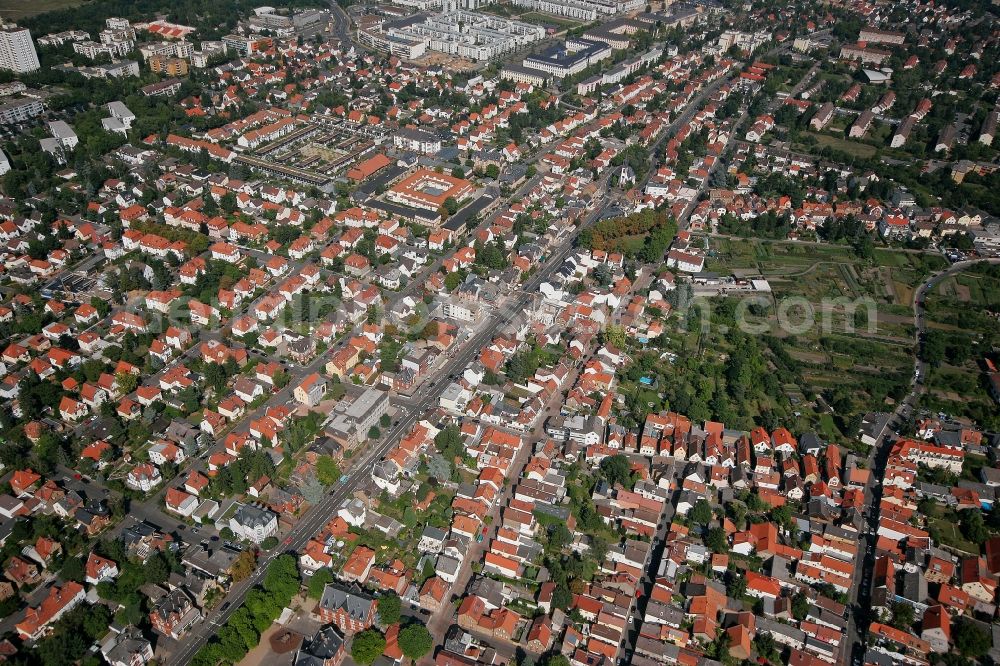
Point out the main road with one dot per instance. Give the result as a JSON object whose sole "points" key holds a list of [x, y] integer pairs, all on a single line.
{"points": [[318, 515]]}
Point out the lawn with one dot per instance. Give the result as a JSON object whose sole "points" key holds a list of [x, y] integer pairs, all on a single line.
{"points": [[862, 150], [546, 19], [947, 530], [19, 9]]}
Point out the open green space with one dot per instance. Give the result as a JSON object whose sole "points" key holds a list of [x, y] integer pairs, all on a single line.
{"points": [[854, 351], [16, 10], [963, 331], [845, 145], [949, 534], [548, 19]]}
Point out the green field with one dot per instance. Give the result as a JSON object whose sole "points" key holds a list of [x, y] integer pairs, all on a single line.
{"points": [[960, 310], [949, 534], [943, 524], [19, 9], [547, 19], [845, 145], [858, 351]]}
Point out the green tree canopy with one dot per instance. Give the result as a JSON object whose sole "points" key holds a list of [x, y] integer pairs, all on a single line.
{"points": [[389, 609], [415, 641], [971, 640], [318, 582], [327, 471], [701, 512], [367, 646]]}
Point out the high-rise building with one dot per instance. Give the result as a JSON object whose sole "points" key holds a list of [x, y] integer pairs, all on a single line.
{"points": [[17, 51]]}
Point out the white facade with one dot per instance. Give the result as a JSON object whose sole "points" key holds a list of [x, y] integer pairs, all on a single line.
{"points": [[17, 51], [416, 140], [580, 10], [20, 110], [64, 134], [253, 524], [458, 310], [470, 34]]}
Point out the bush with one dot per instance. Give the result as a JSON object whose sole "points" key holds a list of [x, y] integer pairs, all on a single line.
{"points": [[269, 543]]}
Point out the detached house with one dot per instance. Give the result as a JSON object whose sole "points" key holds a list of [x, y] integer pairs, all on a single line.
{"points": [[349, 609], [174, 614], [311, 391]]}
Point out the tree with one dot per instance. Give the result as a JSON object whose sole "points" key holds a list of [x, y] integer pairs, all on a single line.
{"points": [[973, 526], [561, 597], [228, 202], [902, 615], [452, 280], [389, 609], [282, 577], [971, 640], [701, 512], [449, 443], [430, 330], [243, 566], [617, 470], [125, 382], [603, 275], [318, 582], [367, 646], [327, 471], [800, 606], [415, 641], [281, 379], [716, 540], [615, 335], [736, 585], [72, 569], [438, 467], [559, 537]]}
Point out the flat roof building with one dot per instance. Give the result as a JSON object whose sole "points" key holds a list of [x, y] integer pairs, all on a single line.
{"points": [[349, 424], [17, 51], [570, 58]]}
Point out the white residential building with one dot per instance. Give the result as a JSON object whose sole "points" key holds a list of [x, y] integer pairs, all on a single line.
{"points": [[17, 51]]}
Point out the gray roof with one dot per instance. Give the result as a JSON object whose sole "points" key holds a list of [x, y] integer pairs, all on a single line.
{"points": [[447, 564], [435, 533], [353, 602], [417, 134], [325, 644], [251, 516]]}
